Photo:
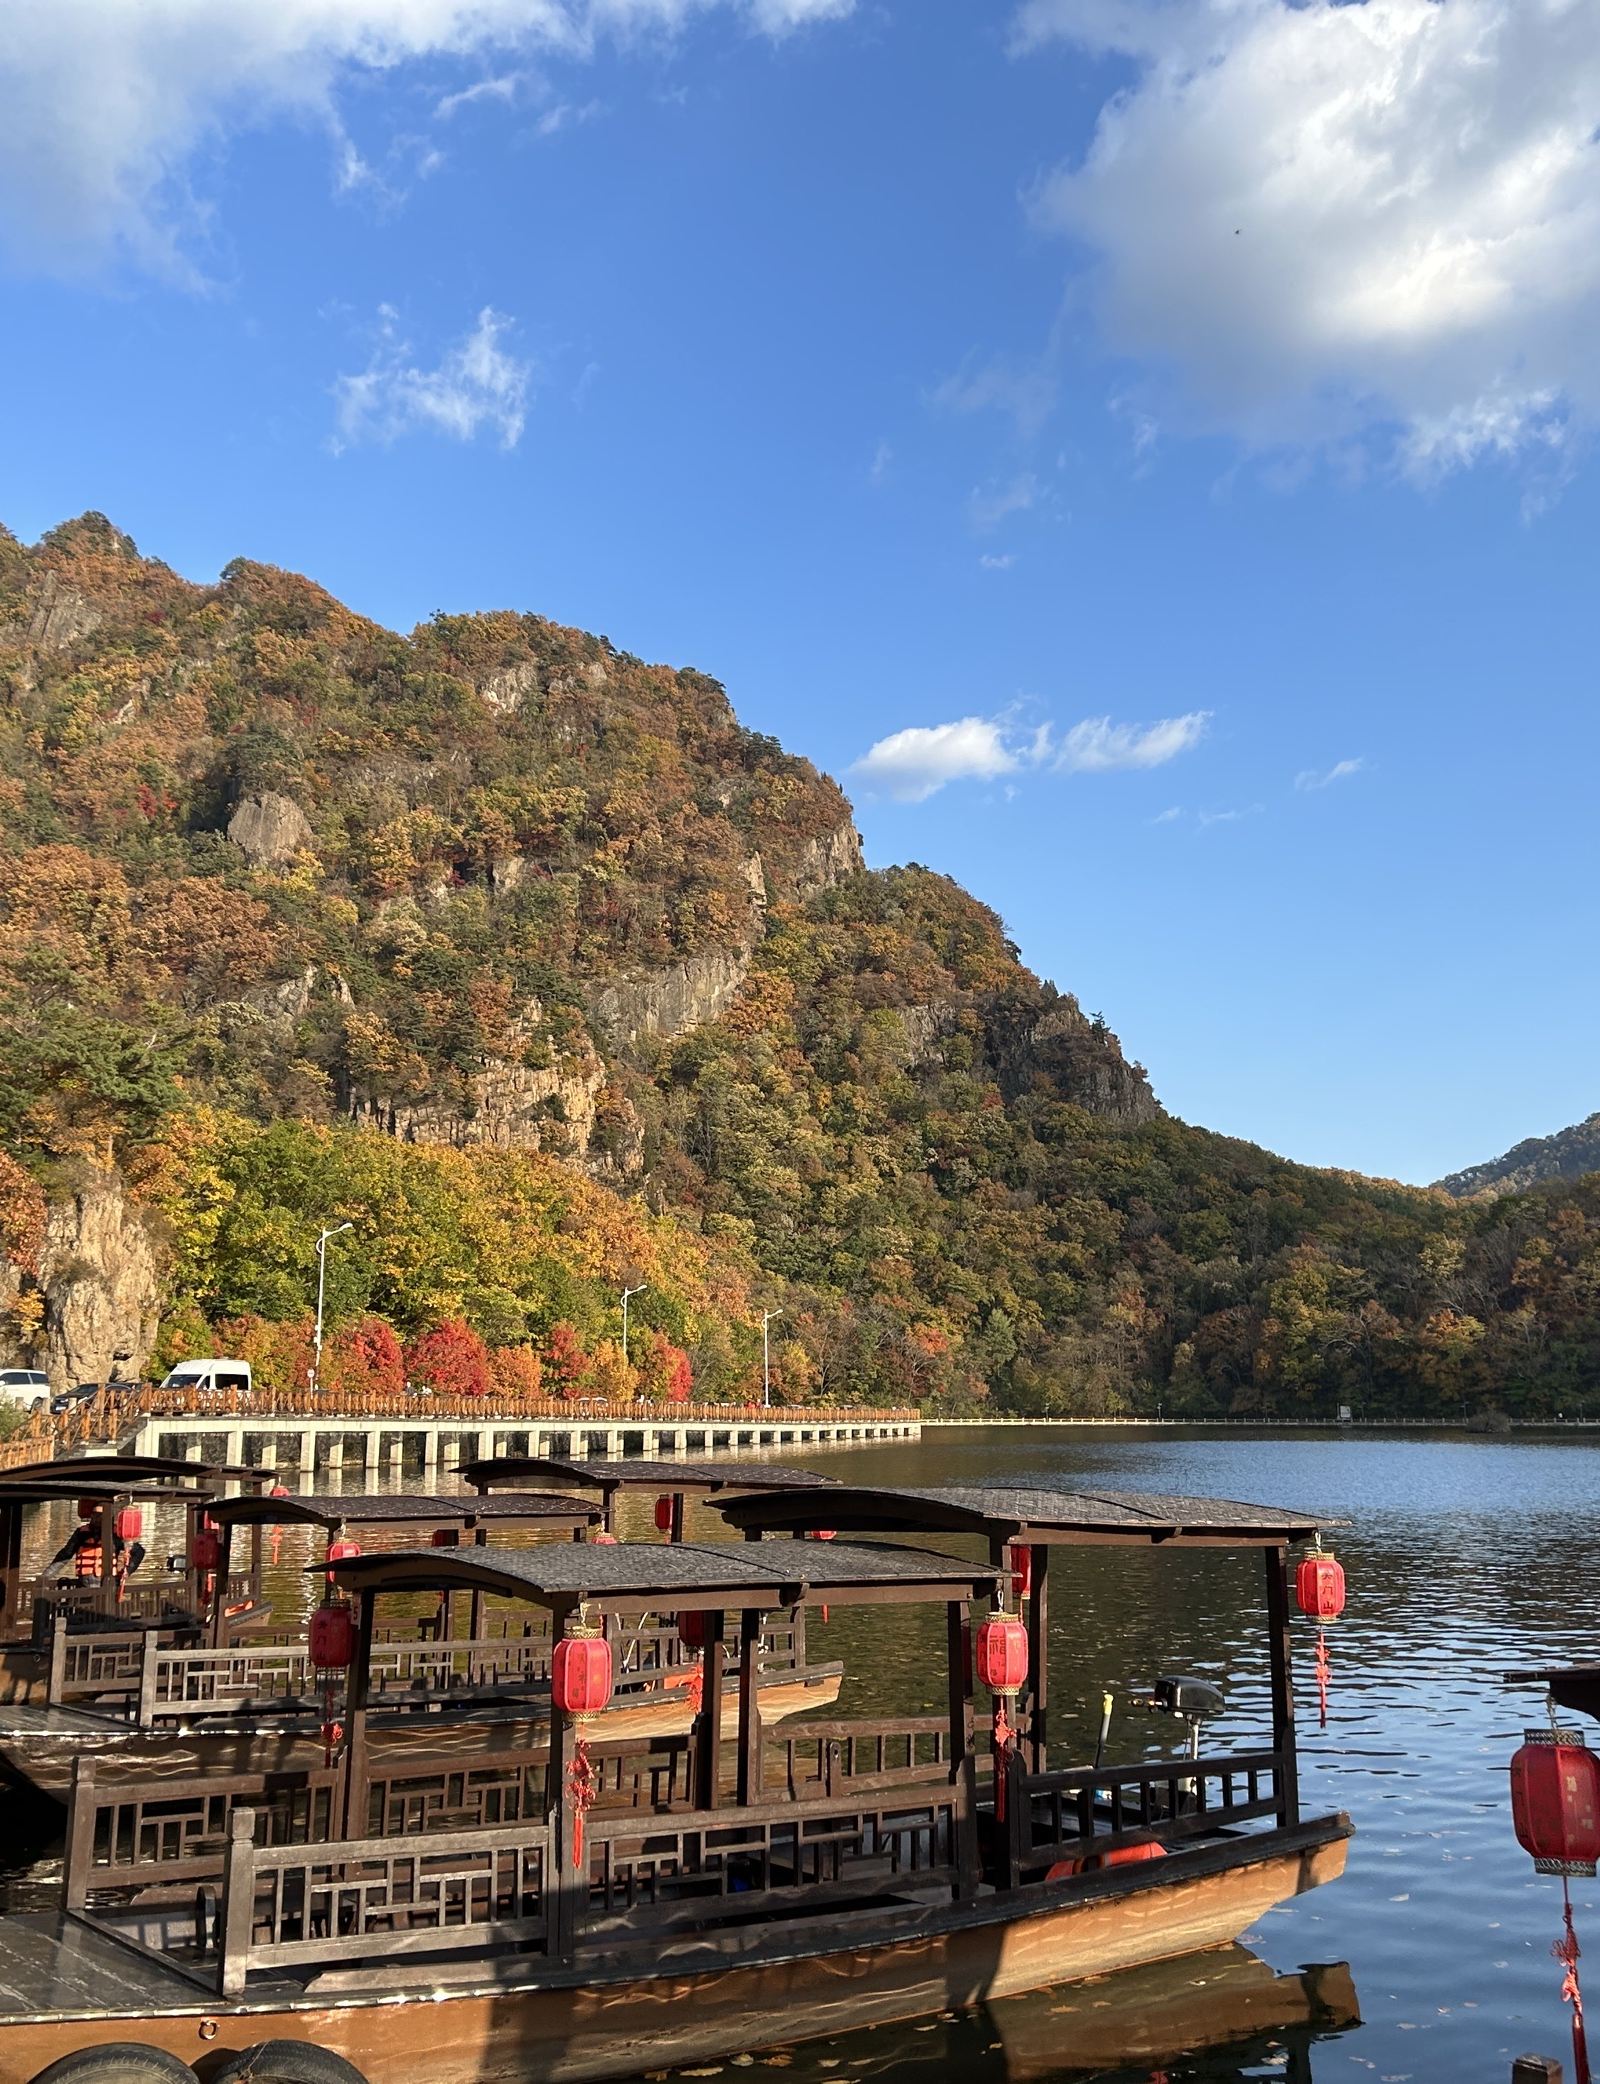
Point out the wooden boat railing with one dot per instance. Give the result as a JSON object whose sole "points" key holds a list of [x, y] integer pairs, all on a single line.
{"points": [[156, 1682], [1087, 1811], [820, 1757], [288, 1907], [137, 1602]]}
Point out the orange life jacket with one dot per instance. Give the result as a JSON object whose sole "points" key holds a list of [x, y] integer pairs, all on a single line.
{"points": [[89, 1559]]}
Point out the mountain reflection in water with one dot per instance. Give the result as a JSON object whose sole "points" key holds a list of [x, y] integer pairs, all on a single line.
{"points": [[1466, 1558]]}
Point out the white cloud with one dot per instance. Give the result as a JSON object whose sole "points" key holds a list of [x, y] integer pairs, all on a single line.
{"points": [[566, 115], [478, 385], [914, 764], [110, 102], [882, 463], [503, 87], [1098, 746], [989, 562], [1315, 221], [989, 505], [1315, 778], [1169, 816], [1027, 394]]}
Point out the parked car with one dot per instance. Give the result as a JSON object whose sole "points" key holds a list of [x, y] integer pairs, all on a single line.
{"points": [[80, 1393], [27, 1388]]}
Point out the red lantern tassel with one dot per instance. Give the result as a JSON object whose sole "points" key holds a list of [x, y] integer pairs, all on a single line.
{"points": [[581, 1787], [1003, 1734], [1566, 1952], [1324, 1674]]}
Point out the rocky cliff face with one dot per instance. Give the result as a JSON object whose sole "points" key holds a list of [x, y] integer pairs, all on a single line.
{"points": [[1569, 1154], [1064, 1054], [100, 1283], [659, 1005]]}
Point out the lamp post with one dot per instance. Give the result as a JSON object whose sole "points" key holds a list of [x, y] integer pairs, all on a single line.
{"points": [[766, 1359], [322, 1288], [627, 1293]]}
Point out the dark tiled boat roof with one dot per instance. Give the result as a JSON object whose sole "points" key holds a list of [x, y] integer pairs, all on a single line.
{"points": [[694, 1574], [1024, 1511], [403, 1508], [109, 1472], [1575, 1686], [639, 1475]]}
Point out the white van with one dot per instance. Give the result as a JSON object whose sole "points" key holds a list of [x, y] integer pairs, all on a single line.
{"points": [[200, 1374], [27, 1388]]}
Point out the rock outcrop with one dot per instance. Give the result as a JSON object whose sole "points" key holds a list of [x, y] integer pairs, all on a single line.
{"points": [[61, 615], [658, 1005], [829, 860], [269, 829], [100, 1281], [1070, 1057], [509, 1104]]}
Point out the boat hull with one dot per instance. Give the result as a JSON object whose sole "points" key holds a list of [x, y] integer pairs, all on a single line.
{"points": [[601, 2022], [187, 1752]]}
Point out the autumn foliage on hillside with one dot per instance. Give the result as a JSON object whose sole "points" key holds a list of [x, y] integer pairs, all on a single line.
{"points": [[302, 920]]}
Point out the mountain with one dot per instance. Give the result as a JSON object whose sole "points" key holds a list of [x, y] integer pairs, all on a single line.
{"points": [[525, 958], [1569, 1154]]}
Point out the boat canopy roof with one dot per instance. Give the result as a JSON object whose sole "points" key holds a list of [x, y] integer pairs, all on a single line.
{"points": [[1026, 1513], [403, 1509], [1575, 1686], [13, 1495], [641, 1577], [114, 1472], [636, 1475]]}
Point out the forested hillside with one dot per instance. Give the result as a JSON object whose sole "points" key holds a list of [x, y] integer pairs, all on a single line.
{"points": [[525, 958], [1569, 1154]]}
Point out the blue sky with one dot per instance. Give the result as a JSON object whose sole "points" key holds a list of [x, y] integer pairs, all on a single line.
{"points": [[1191, 402]]}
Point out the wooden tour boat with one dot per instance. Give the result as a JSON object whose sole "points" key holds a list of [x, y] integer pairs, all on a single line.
{"points": [[623, 1902], [149, 1703]]}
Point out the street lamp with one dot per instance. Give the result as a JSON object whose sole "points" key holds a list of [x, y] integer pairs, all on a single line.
{"points": [[766, 1359], [626, 1293], [322, 1286]]}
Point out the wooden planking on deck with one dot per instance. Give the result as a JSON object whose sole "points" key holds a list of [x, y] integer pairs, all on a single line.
{"points": [[54, 1964]]}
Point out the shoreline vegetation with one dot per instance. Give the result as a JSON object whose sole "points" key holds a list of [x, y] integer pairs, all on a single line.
{"points": [[524, 958]]}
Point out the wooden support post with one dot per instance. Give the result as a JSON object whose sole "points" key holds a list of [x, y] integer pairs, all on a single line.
{"points": [[1039, 1662], [108, 1555], [677, 1516], [79, 1855], [58, 1657], [1286, 1777], [219, 1605], [149, 1666], [749, 1707], [963, 1766], [10, 1568], [1536, 2069], [358, 1687], [238, 1904], [708, 1723]]}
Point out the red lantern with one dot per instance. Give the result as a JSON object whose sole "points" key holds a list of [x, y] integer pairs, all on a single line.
{"points": [[1021, 1559], [129, 1523], [580, 1674], [205, 1552], [332, 1638], [339, 1550], [279, 1490], [663, 1515], [1003, 1654], [87, 1508], [825, 1534], [1555, 1802], [694, 1630], [606, 1540], [1319, 1587], [445, 1538]]}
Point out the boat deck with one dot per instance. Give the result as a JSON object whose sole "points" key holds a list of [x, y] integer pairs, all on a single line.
{"points": [[51, 1963]]}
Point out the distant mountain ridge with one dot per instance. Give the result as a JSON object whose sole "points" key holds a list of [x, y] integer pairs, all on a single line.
{"points": [[1569, 1154]]}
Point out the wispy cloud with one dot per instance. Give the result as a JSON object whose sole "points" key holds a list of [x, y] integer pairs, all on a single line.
{"points": [[1169, 816], [989, 505], [1208, 818], [1026, 393], [478, 386], [567, 115], [914, 764], [882, 463], [1099, 746], [991, 562], [1316, 778], [503, 87]]}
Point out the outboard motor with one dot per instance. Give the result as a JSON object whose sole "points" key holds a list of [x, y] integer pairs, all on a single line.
{"points": [[1191, 1701]]}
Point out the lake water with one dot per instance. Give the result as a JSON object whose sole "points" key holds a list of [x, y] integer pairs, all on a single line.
{"points": [[1465, 1559]]}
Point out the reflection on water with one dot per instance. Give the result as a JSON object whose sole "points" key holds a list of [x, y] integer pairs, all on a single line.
{"points": [[1466, 1558]]}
